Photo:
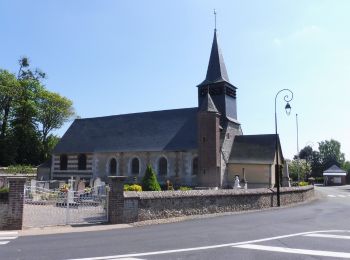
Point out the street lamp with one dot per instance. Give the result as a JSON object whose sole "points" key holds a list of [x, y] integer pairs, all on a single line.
{"points": [[288, 108]]}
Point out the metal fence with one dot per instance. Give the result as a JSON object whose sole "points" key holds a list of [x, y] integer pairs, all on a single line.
{"points": [[51, 207]]}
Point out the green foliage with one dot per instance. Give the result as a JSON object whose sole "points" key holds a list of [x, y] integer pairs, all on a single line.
{"points": [[21, 169], [299, 168], [184, 188], [133, 187], [4, 190], [28, 113], [149, 180], [303, 183], [330, 153]]}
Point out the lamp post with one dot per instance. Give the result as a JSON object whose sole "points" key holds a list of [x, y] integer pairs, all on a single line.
{"points": [[298, 158], [288, 108]]}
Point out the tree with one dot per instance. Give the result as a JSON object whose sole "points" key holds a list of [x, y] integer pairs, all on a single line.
{"points": [[149, 180], [306, 153], [330, 153], [28, 114], [53, 111], [8, 90], [299, 168]]}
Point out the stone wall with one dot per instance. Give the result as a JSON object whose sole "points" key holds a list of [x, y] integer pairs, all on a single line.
{"points": [[11, 209], [179, 165], [139, 206]]}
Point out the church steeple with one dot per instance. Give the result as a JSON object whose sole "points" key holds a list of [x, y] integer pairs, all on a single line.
{"points": [[216, 71], [222, 92]]}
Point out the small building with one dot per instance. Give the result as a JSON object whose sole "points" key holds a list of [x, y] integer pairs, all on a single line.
{"points": [[334, 176]]}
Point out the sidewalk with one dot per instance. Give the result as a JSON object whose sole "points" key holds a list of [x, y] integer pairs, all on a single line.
{"points": [[69, 229]]}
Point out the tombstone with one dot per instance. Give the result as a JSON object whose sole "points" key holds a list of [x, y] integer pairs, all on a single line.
{"points": [[102, 188], [33, 185], [2, 183], [81, 187], [285, 178], [236, 185], [97, 184], [46, 185]]}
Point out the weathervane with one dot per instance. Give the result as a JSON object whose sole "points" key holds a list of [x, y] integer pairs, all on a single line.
{"points": [[215, 18]]}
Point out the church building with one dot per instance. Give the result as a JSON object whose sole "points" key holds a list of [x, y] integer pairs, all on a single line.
{"points": [[201, 146]]}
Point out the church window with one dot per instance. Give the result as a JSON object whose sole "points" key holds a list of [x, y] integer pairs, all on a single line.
{"points": [[195, 166], [162, 166], [63, 162], [135, 166], [81, 162], [113, 167], [228, 135]]}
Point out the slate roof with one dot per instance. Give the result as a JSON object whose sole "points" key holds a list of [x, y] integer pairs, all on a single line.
{"points": [[334, 169], [166, 130], [208, 105], [257, 149], [216, 68]]}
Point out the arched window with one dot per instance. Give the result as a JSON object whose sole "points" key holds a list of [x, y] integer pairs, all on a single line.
{"points": [[135, 166], [82, 162], [63, 162], [162, 166], [113, 167], [195, 166]]}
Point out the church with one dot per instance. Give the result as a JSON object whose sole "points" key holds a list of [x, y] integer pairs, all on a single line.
{"points": [[202, 146]]}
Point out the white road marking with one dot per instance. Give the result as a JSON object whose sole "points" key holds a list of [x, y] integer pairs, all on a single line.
{"points": [[7, 235], [205, 247], [3, 238], [341, 196], [327, 236], [295, 251], [332, 196]]}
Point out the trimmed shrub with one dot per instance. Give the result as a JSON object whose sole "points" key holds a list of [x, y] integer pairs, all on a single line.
{"points": [[149, 181], [303, 183], [134, 187], [184, 188], [4, 190]]}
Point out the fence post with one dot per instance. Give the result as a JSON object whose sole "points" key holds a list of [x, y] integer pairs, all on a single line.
{"points": [[16, 201], [116, 199]]}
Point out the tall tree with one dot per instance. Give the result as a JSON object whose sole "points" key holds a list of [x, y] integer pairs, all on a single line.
{"points": [[306, 153], [53, 111], [28, 113], [25, 135], [330, 153], [9, 87]]}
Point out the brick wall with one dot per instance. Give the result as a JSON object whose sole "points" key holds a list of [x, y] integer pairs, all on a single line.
{"points": [[11, 210], [139, 206]]}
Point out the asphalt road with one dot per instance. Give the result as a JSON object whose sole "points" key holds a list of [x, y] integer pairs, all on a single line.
{"points": [[317, 230]]}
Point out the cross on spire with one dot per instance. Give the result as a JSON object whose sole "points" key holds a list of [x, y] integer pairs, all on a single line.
{"points": [[215, 19]]}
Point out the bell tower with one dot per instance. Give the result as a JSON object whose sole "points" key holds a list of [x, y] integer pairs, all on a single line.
{"points": [[222, 92]]}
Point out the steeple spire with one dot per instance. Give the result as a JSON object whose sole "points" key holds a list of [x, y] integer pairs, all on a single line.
{"points": [[216, 68]]}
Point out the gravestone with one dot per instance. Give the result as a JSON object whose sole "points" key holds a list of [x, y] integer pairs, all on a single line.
{"points": [[97, 184], [2, 182]]}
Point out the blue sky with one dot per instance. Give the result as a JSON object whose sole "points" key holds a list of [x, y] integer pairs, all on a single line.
{"points": [[115, 57]]}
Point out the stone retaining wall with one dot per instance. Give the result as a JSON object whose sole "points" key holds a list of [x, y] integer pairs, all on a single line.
{"points": [[139, 206]]}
